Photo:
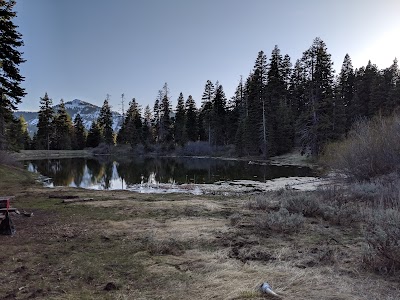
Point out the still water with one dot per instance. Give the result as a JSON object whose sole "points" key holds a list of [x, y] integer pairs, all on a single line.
{"points": [[148, 173]]}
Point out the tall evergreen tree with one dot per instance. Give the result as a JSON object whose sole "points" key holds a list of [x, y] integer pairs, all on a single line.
{"points": [[105, 122], [256, 123], [218, 116], [280, 126], [344, 101], [179, 125], [18, 137], [157, 116], [235, 112], [206, 112], [133, 124], [45, 129], [148, 137], [94, 135], [166, 133], [79, 140], [11, 91], [191, 127], [62, 129], [317, 127], [394, 79]]}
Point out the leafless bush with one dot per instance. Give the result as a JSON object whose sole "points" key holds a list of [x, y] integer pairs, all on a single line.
{"points": [[280, 221], [102, 149], [341, 214], [382, 234], [307, 204], [259, 202], [372, 149]]}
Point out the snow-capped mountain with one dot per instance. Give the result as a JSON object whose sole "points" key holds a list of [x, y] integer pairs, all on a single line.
{"points": [[88, 112]]}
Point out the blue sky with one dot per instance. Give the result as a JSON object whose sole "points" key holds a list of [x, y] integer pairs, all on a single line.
{"points": [[86, 49]]}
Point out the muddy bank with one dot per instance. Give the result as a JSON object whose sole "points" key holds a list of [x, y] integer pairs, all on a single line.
{"points": [[44, 154]]}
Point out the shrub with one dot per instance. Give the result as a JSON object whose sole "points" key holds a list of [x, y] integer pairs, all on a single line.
{"points": [[102, 149], [307, 204], [259, 202], [8, 159], [382, 235], [371, 149], [196, 149], [281, 221], [341, 214]]}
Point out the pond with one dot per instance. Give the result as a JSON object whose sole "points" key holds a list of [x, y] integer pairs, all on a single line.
{"points": [[152, 174]]}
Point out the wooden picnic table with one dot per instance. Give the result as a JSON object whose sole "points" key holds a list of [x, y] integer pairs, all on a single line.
{"points": [[5, 204]]}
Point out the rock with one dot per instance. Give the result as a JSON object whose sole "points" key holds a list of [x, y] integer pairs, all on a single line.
{"points": [[110, 287]]}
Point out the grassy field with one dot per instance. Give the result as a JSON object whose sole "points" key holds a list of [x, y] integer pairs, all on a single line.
{"points": [[126, 245]]}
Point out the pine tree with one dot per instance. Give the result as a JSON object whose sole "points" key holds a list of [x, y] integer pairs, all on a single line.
{"points": [[79, 140], [192, 132], [280, 126], [344, 100], [297, 86], [391, 77], [364, 78], [94, 135], [11, 91], [148, 137], [179, 125], [218, 116], [256, 123], [133, 124], [62, 129], [45, 129], [317, 119], [166, 134], [157, 118], [394, 93], [18, 137], [235, 112], [206, 112], [105, 121]]}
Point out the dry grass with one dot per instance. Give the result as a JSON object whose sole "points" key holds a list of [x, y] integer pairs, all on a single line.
{"points": [[175, 247]]}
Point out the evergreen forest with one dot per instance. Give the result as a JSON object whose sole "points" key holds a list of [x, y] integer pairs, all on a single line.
{"points": [[280, 105]]}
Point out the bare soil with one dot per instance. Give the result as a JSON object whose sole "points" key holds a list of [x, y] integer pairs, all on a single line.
{"points": [[127, 245]]}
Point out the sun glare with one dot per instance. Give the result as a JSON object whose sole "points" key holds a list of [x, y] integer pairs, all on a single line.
{"points": [[381, 51]]}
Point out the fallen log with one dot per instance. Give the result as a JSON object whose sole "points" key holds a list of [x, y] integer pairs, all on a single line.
{"points": [[63, 196], [78, 200]]}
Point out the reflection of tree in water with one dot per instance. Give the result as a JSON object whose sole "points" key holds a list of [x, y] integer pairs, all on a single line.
{"points": [[108, 173], [165, 170], [78, 170], [57, 169], [95, 170], [131, 172]]}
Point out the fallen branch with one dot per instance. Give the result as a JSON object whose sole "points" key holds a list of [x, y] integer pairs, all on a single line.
{"points": [[78, 200], [63, 197]]}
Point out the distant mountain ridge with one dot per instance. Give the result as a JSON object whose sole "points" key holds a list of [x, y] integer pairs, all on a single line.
{"points": [[89, 112]]}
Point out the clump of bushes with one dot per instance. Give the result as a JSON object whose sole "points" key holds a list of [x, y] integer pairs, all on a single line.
{"points": [[281, 221], [382, 235], [307, 204], [8, 160], [260, 202], [371, 149]]}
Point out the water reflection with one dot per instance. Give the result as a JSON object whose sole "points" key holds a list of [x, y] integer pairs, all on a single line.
{"points": [[147, 172]]}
